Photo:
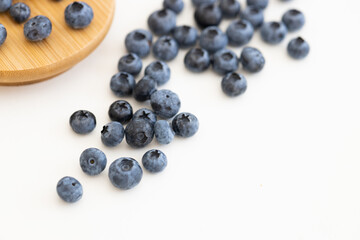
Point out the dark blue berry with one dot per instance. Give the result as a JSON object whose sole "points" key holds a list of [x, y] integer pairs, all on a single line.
{"points": [[159, 71], [163, 132], [120, 111], [69, 189], [5, 5], [201, 2], [185, 36], [197, 60], [122, 84], [208, 15], [154, 161], [225, 61], [20, 12], [112, 134], [92, 161], [240, 32], [145, 114], [230, 8], [139, 133], [294, 20], [139, 42], [261, 4], [37, 28], [185, 124], [144, 88], [174, 5], [165, 103], [252, 59], [3, 34], [130, 63], [82, 121], [213, 39], [273, 32], [298, 48], [234, 84], [254, 15], [125, 173], [162, 22], [78, 15], [165, 48]]}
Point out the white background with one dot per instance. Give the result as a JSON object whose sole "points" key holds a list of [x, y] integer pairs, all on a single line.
{"points": [[280, 162]]}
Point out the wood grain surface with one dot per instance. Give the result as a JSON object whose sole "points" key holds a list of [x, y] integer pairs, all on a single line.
{"points": [[24, 62]]}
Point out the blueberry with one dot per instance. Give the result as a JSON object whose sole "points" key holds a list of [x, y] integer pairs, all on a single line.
{"points": [[201, 2], [252, 59], [261, 4], [120, 111], [163, 132], [165, 48], [225, 61], [5, 5], [162, 22], [213, 39], [293, 20], [159, 71], [298, 48], [78, 15], [254, 15], [20, 12], [130, 63], [82, 121], [230, 8], [165, 103], [139, 133], [154, 161], [208, 15], [197, 60], [3, 34], [185, 36], [234, 84], [112, 134], [185, 124], [122, 84], [273, 32], [37, 28], [125, 173], [92, 161], [69, 189], [175, 5], [144, 88], [145, 114], [240, 32], [139, 42]]}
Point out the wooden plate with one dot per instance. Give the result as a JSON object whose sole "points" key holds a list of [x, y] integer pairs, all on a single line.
{"points": [[24, 62]]}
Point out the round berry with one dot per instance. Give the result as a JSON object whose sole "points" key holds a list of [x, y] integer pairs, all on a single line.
{"points": [[82, 121], [234, 84], [185, 124], [112, 134], [92, 161], [69, 189], [125, 173], [120, 111], [165, 103], [154, 161], [78, 15]]}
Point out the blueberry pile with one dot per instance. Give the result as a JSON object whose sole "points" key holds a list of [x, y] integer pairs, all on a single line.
{"points": [[77, 15], [163, 122]]}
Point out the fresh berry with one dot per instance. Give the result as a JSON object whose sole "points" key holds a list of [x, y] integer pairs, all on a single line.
{"points": [[78, 15], [130, 63], [165, 48], [125, 173], [139, 42], [208, 15], [37, 28], [92, 161], [197, 60], [163, 132], [234, 84], [200, 2], [162, 22], [230, 8], [144, 88], [5, 5], [20, 12], [175, 5], [261, 4], [139, 133], [3, 34], [122, 84], [159, 71], [69, 189], [145, 114], [294, 20], [185, 124], [112, 134], [254, 15], [185, 36], [154, 161], [240, 32], [82, 121], [225, 61], [298, 48], [165, 103], [120, 111], [213, 39], [252, 60], [273, 32]]}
